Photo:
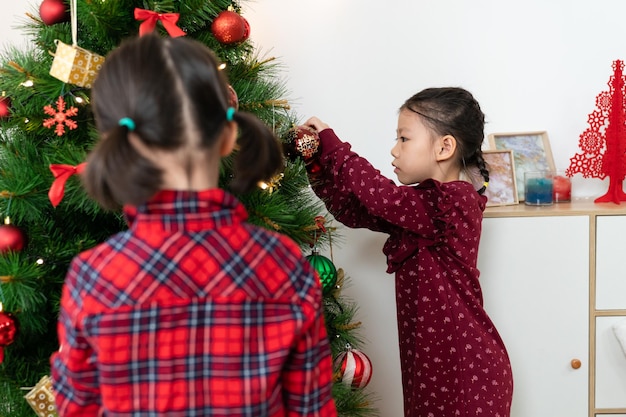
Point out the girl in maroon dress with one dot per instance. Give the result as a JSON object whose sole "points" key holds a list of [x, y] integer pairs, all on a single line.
{"points": [[453, 360]]}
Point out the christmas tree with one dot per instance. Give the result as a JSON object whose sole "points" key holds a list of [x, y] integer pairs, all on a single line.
{"points": [[46, 130], [603, 144]]}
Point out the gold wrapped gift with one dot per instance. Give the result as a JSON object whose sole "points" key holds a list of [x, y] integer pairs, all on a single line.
{"points": [[75, 65], [41, 398]]}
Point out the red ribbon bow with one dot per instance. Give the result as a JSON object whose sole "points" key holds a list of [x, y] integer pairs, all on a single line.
{"points": [[151, 18], [61, 174]]}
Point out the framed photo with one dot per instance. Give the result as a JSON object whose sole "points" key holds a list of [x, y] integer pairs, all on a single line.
{"points": [[502, 188], [531, 152]]}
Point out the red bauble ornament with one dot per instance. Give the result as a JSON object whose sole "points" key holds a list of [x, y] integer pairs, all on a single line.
{"points": [[53, 11], [246, 24], [8, 331], [354, 367], [5, 107], [11, 238], [314, 168], [229, 27], [301, 142]]}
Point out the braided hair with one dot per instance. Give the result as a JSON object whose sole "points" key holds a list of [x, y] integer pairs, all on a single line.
{"points": [[454, 111]]}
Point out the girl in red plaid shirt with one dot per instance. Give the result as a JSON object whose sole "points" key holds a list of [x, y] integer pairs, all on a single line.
{"points": [[192, 311]]}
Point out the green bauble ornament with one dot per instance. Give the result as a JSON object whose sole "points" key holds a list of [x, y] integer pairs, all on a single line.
{"points": [[325, 269]]}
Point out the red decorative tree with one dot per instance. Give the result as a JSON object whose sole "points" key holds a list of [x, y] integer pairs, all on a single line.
{"points": [[603, 144]]}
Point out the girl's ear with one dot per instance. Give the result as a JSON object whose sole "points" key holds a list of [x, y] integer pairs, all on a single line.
{"points": [[446, 147], [229, 138]]}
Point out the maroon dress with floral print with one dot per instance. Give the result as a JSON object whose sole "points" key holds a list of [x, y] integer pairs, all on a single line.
{"points": [[453, 360]]}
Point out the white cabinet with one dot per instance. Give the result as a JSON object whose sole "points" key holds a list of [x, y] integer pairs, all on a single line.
{"points": [[554, 283], [534, 275], [610, 309]]}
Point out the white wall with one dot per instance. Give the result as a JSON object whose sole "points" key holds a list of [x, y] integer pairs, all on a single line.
{"points": [[13, 15], [533, 65]]}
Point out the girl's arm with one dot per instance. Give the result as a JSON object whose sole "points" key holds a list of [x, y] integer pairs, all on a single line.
{"points": [[307, 375], [345, 206], [358, 195], [74, 374], [340, 201]]}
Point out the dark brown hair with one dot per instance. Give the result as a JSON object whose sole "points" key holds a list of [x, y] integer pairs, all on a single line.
{"points": [[168, 87], [454, 111]]}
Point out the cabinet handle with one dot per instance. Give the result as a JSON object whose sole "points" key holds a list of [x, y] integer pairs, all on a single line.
{"points": [[576, 363]]}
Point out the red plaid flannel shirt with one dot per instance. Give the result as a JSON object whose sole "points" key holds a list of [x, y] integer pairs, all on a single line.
{"points": [[192, 312]]}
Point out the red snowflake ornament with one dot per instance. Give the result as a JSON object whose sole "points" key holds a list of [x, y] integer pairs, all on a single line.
{"points": [[60, 117]]}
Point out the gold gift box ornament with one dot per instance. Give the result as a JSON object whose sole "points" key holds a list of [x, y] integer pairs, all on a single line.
{"points": [[75, 65], [41, 398]]}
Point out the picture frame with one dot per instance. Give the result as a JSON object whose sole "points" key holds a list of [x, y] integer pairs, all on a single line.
{"points": [[531, 151], [502, 188]]}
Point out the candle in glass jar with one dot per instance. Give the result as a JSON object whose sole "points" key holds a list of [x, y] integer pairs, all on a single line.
{"points": [[538, 188], [562, 188]]}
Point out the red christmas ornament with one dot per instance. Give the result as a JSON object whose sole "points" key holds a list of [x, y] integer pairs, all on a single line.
{"points": [[53, 11], [314, 168], [11, 238], [246, 24], [150, 19], [229, 27], [5, 107], [62, 172], [301, 142], [8, 331], [354, 367], [60, 117]]}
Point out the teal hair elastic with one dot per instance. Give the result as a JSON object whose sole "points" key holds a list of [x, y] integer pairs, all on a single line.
{"points": [[230, 112], [128, 123]]}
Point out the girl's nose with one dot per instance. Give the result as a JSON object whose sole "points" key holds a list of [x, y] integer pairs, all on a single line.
{"points": [[394, 150]]}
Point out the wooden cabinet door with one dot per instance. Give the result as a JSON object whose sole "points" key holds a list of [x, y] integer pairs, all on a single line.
{"points": [[535, 281], [610, 265], [610, 389], [610, 382]]}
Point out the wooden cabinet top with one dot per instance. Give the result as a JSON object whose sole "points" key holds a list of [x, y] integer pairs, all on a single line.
{"points": [[577, 207]]}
